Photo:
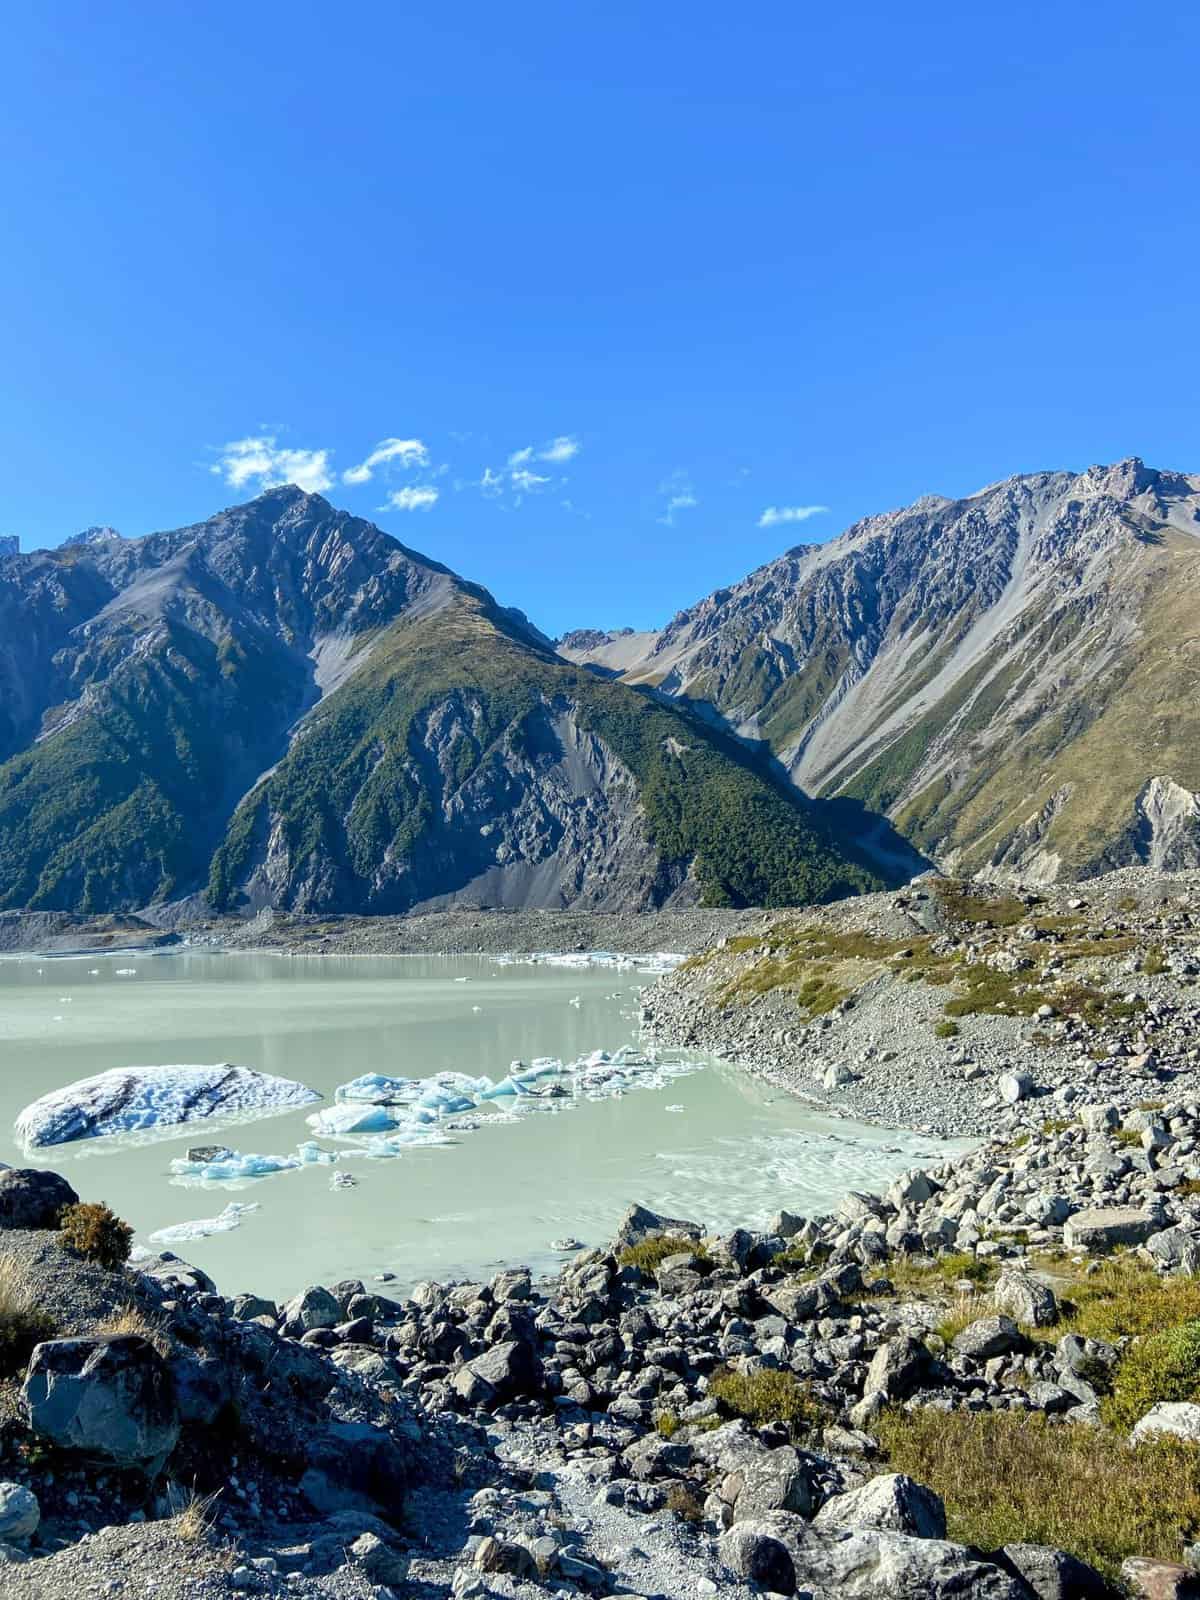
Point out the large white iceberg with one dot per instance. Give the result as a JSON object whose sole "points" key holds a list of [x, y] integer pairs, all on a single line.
{"points": [[129, 1099]]}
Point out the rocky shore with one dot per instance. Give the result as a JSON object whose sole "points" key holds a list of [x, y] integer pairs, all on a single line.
{"points": [[677, 1415], [955, 1008]]}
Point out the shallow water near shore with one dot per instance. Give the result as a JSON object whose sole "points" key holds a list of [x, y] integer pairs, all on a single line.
{"points": [[714, 1144]]}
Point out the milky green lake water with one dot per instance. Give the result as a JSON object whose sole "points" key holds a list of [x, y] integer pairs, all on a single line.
{"points": [[714, 1145]]}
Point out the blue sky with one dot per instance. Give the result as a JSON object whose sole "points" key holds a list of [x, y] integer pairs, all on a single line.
{"points": [[608, 282]]}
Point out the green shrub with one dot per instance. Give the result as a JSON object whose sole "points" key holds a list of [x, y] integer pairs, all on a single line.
{"points": [[768, 1395], [96, 1233], [1161, 1366], [946, 1030], [1009, 1477]]}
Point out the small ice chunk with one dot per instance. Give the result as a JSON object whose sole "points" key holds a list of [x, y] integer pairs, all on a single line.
{"points": [[231, 1165], [347, 1117], [180, 1232], [377, 1088]]}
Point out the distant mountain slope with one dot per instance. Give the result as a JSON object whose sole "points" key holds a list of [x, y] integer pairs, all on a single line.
{"points": [[1012, 678], [288, 706]]}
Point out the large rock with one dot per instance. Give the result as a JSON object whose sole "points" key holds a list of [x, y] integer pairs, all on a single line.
{"points": [[875, 1564], [1174, 1250], [897, 1368], [777, 1480], [988, 1337], [507, 1370], [891, 1501], [30, 1198], [108, 1396], [755, 1554], [1159, 1580], [1178, 1418], [313, 1308], [1026, 1299], [640, 1223], [1106, 1227], [355, 1466], [1053, 1574]]}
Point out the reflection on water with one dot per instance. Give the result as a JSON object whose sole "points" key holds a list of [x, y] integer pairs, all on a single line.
{"points": [[714, 1145]]}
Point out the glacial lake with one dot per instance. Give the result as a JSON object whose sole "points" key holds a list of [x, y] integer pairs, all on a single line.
{"points": [[712, 1144]]}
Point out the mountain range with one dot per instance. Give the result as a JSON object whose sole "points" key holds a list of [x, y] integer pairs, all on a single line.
{"points": [[1010, 678], [284, 706]]}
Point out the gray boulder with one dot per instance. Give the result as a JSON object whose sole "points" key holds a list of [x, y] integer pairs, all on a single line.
{"points": [[755, 1554], [32, 1198], [355, 1466], [1178, 1418], [876, 1564], [777, 1480], [891, 1501], [1105, 1227], [1053, 1574], [1026, 1299], [988, 1337], [19, 1513], [897, 1368], [314, 1308], [507, 1369], [640, 1223], [109, 1397]]}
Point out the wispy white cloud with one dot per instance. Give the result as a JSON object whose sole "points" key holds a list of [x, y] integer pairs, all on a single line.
{"points": [[261, 462], [683, 501], [406, 452], [491, 485], [564, 448], [526, 482], [418, 498], [774, 515]]}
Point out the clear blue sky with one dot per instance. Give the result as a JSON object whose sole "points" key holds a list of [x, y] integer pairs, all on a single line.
{"points": [[728, 257]]}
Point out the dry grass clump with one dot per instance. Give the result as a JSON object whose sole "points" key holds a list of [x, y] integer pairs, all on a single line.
{"points": [[131, 1320], [1009, 1477], [23, 1323], [768, 1395], [195, 1514], [685, 1503], [95, 1232]]}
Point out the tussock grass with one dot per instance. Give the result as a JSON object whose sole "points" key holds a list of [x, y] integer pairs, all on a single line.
{"points": [[649, 1254], [768, 1395], [130, 1320], [23, 1322], [1008, 1477], [1125, 1298], [195, 1516], [1001, 911]]}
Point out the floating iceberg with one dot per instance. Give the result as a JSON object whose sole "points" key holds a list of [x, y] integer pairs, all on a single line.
{"points": [[232, 1164], [346, 1117], [181, 1232], [128, 1099], [376, 1088]]}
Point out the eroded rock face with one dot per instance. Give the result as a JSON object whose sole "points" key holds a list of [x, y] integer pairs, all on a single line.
{"points": [[892, 1502], [110, 1397]]}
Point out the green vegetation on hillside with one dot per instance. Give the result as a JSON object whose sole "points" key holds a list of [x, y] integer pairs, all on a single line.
{"points": [[360, 784]]}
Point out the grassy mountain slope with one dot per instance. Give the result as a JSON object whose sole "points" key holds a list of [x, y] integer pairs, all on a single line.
{"points": [[356, 787]]}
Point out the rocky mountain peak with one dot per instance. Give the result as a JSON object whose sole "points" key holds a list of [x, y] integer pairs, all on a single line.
{"points": [[98, 534]]}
